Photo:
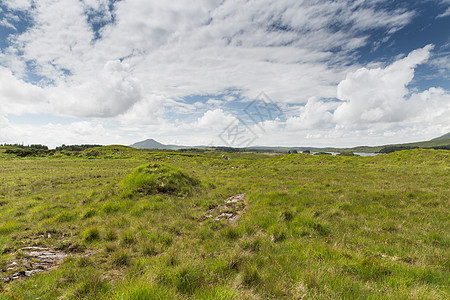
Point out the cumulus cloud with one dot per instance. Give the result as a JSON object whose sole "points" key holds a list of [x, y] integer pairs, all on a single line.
{"points": [[17, 4], [214, 119], [113, 92], [378, 105], [4, 22], [378, 95], [17, 96], [315, 114], [181, 48], [135, 61], [148, 111], [432, 107]]}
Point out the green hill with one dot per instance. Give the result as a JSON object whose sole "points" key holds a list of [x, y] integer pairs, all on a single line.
{"points": [[445, 136]]}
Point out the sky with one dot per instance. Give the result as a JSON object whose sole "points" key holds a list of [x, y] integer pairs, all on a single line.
{"points": [[224, 72]]}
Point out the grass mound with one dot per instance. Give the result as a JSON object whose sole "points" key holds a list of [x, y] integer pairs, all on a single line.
{"points": [[158, 178]]}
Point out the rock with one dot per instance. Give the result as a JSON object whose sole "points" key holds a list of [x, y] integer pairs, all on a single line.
{"points": [[231, 211], [34, 260], [33, 249], [235, 198]]}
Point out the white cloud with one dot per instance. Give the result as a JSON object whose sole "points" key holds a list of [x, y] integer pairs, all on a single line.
{"points": [[378, 95], [17, 4], [214, 119], [148, 111], [17, 96], [137, 69], [59, 41], [181, 48], [113, 92], [444, 14], [315, 114], [432, 107], [4, 22], [441, 62]]}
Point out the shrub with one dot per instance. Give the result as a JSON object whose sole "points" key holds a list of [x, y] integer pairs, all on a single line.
{"points": [[347, 153], [111, 235], [287, 216], [91, 234], [158, 178], [89, 214], [250, 276], [143, 290], [277, 234], [8, 227], [92, 286], [121, 258], [128, 238]]}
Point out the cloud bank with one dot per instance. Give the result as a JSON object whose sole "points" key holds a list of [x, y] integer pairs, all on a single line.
{"points": [[134, 62]]}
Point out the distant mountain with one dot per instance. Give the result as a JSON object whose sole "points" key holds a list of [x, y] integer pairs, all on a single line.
{"points": [[149, 144], [445, 136], [152, 144]]}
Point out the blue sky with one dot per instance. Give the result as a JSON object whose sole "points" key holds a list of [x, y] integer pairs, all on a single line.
{"points": [[340, 73]]}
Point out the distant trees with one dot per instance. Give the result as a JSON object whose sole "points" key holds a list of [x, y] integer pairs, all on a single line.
{"points": [[23, 152], [347, 153], [42, 150], [444, 147], [76, 147], [390, 149], [22, 146], [322, 153]]}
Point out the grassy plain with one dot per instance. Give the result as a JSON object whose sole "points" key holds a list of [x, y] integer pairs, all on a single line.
{"points": [[313, 227]]}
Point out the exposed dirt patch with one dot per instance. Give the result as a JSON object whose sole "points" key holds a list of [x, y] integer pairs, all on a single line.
{"points": [[231, 210]]}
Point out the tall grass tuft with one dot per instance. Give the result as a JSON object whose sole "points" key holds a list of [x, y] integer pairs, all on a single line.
{"points": [[158, 178]]}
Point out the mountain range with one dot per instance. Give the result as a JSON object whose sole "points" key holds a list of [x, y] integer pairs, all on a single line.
{"points": [[443, 140]]}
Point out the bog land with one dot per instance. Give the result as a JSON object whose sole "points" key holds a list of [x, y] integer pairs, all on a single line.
{"points": [[121, 223]]}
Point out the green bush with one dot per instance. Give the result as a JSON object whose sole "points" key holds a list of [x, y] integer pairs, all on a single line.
{"points": [[92, 286], [158, 178], [121, 258], [91, 234], [145, 291], [347, 153]]}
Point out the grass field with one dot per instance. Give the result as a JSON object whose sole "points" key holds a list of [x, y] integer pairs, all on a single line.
{"points": [[134, 224]]}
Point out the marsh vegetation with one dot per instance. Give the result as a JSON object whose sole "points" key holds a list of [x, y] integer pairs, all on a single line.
{"points": [[134, 224]]}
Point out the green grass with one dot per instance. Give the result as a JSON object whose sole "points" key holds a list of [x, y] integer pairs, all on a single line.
{"points": [[157, 178], [313, 227]]}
